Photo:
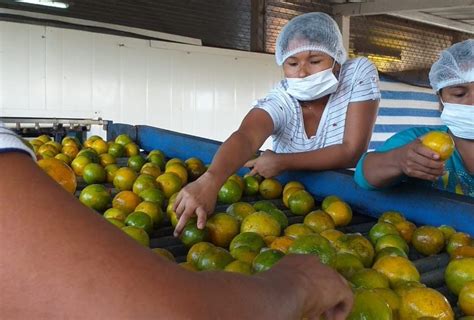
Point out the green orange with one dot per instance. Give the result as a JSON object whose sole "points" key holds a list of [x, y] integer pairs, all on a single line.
{"points": [[314, 244], [124, 178], [94, 173], [301, 202], [319, 221], [96, 197], [266, 259], [138, 234], [230, 192], [270, 189]]}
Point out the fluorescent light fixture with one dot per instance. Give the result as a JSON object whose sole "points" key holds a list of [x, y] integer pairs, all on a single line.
{"points": [[47, 3]]}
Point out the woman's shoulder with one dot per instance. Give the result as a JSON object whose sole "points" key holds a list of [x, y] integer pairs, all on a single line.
{"points": [[360, 65]]}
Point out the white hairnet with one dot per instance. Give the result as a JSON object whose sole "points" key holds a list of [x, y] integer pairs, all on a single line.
{"points": [[315, 31], [454, 66]]}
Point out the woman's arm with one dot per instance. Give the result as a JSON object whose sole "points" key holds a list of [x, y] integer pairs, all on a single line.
{"points": [[200, 196], [59, 259], [360, 120]]}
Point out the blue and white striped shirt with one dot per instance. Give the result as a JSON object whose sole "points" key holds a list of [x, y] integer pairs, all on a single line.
{"points": [[358, 81]]}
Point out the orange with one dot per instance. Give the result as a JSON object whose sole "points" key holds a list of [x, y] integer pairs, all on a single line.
{"points": [[406, 230], [174, 161], [301, 202], [153, 195], [195, 168], [287, 194], [164, 253], [110, 171], [240, 181], [297, 229], [180, 171], [192, 234], [369, 279], [244, 253], [48, 147], [188, 266], [131, 149], [264, 205], [69, 141], [144, 182], [114, 213], [458, 273], [240, 210], [319, 221], [157, 157], [417, 303], [94, 173], [357, 245], [106, 159], [392, 217], [239, 267], [44, 138], [70, 150], [340, 212], [88, 143], [397, 269], [79, 163], [64, 158], [392, 299], [230, 192], [123, 139], [391, 240], [152, 209], [96, 197], [368, 305], [270, 189], [215, 258], [116, 222], [89, 153], [293, 184], [60, 172], [170, 183], [196, 251], [266, 259], [314, 244], [56, 145], [463, 252], [136, 162], [448, 231], [261, 223], [116, 150], [282, 243], [401, 288], [279, 216], [348, 264], [381, 229], [140, 219], [252, 185], [172, 216], [124, 179], [126, 201], [222, 228], [151, 169], [332, 235], [328, 200], [466, 298], [458, 239], [138, 234], [439, 142], [100, 146], [251, 240], [390, 251], [428, 240]]}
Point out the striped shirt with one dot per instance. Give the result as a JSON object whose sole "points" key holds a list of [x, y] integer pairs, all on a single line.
{"points": [[358, 81], [10, 142]]}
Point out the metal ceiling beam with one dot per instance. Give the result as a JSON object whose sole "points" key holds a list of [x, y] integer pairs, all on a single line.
{"points": [[90, 23], [372, 7], [435, 20]]}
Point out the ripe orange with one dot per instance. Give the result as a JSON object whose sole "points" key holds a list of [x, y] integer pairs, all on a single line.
{"points": [[151, 169], [152, 209], [110, 170], [348, 264], [144, 182], [131, 149], [369, 279], [106, 159], [138, 234], [458, 239], [126, 201], [406, 230], [391, 241], [79, 163], [293, 184], [70, 150], [261, 223], [196, 251], [297, 229], [357, 245], [124, 179], [418, 303], [270, 189], [282, 243], [123, 139], [439, 142], [332, 235], [100, 146], [466, 298], [287, 194], [170, 183], [340, 212], [60, 172], [239, 267], [240, 181], [114, 213], [392, 217], [179, 170], [458, 273], [428, 240], [222, 228], [381, 229], [319, 221], [369, 306], [195, 168], [240, 210], [397, 269]]}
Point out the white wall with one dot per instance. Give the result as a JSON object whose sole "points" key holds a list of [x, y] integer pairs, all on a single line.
{"points": [[53, 72]]}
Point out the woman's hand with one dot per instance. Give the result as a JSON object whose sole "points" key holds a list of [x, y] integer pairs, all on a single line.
{"points": [[417, 161], [197, 198], [267, 165]]}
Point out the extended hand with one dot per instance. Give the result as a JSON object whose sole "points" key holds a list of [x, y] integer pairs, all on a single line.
{"points": [[418, 161]]}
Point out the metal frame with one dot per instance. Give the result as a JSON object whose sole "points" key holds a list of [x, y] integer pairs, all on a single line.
{"points": [[419, 204]]}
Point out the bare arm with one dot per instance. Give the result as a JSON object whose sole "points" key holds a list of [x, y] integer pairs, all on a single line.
{"points": [[61, 260], [360, 120], [200, 197], [383, 169]]}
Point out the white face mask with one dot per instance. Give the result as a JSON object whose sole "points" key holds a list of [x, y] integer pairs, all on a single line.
{"points": [[460, 119], [314, 86]]}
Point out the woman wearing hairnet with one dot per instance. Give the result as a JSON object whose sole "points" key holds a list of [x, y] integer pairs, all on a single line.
{"points": [[320, 116], [403, 155]]}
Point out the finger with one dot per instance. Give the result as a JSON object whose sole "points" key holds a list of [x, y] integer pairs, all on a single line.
{"points": [[253, 172], [201, 217], [427, 152], [179, 197], [422, 175], [183, 220], [250, 163], [180, 208], [426, 161], [434, 172]]}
